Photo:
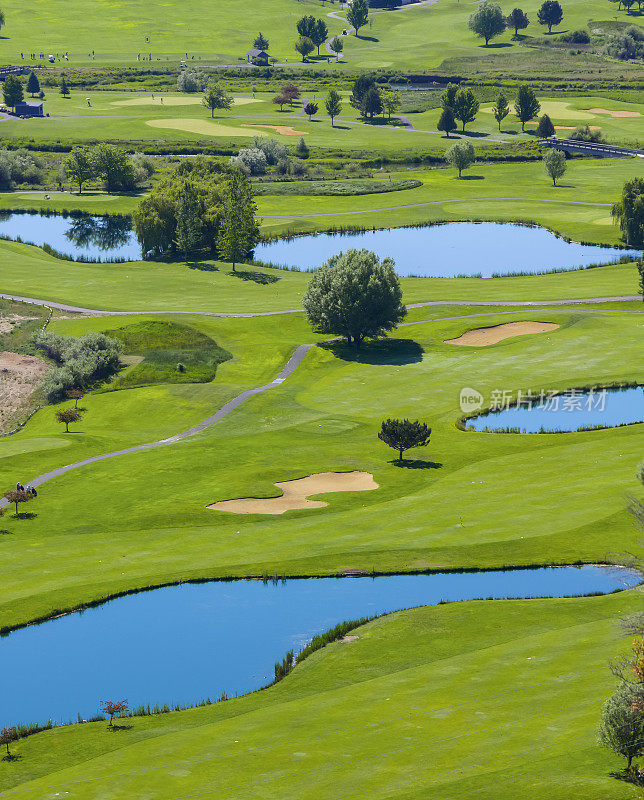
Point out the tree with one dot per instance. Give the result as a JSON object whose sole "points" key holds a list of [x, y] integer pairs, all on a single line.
{"points": [[114, 166], [391, 102], [487, 21], [8, 735], [319, 33], [112, 708], [216, 97], [188, 222], [629, 212], [466, 106], [545, 128], [526, 105], [280, 101], [238, 229], [622, 724], [449, 96], [302, 149], [67, 416], [555, 163], [64, 88], [1, 19], [402, 434], [640, 286], [291, 92], [304, 46], [336, 45], [261, 42], [361, 86], [358, 14], [306, 26], [75, 395], [354, 295], [518, 20], [33, 84], [371, 103], [80, 166], [333, 104], [310, 109], [447, 122], [461, 155], [12, 91], [16, 496], [500, 109], [550, 13]]}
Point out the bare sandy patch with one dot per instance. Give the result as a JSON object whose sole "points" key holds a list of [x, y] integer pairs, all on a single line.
{"points": [[296, 493], [285, 130], [19, 377], [482, 337], [614, 113], [8, 323], [204, 127]]}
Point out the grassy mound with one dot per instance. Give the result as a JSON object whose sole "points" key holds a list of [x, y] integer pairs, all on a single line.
{"points": [[171, 353], [335, 188]]}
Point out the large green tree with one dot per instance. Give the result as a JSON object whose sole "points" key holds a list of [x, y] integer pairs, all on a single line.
{"points": [[517, 19], [216, 97], [622, 723], [372, 103], [554, 162], [466, 106], [550, 13], [304, 46], [306, 26], [355, 295], [447, 121], [80, 166], [629, 212], [114, 166], [526, 105], [487, 21], [12, 91], [319, 34], [361, 86], [403, 434], [358, 14], [238, 229]]}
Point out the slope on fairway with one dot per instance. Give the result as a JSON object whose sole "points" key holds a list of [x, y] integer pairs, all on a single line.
{"points": [[478, 699]]}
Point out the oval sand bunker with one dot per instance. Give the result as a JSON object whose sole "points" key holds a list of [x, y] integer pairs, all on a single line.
{"points": [[482, 337], [296, 493]]}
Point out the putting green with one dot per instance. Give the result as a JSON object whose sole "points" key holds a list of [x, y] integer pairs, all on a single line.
{"points": [[175, 100], [204, 127], [558, 109]]}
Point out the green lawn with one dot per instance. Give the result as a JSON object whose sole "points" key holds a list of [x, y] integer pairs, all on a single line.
{"points": [[479, 699]]}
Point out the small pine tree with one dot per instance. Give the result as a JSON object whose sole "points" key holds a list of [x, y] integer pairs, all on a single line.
{"points": [[261, 42], [64, 88], [33, 85], [301, 149], [545, 128], [500, 109]]}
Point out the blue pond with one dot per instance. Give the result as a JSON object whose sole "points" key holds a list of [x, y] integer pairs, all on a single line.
{"points": [[603, 407], [184, 643], [104, 238], [482, 249]]}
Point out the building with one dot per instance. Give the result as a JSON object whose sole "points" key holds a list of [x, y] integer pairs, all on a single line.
{"points": [[257, 56], [24, 109]]}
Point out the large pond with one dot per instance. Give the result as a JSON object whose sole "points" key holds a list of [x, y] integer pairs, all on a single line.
{"points": [[602, 408], [481, 249], [184, 643], [101, 238]]}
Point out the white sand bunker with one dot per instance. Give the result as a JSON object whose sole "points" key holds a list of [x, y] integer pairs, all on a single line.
{"points": [[614, 113], [482, 337], [296, 493]]}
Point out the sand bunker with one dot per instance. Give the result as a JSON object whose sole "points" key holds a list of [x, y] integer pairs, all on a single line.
{"points": [[204, 127], [175, 100], [482, 337], [296, 493], [285, 130], [614, 113]]}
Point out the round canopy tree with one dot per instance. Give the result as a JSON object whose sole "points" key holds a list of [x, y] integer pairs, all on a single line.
{"points": [[356, 296], [487, 21], [403, 434], [629, 212], [550, 13]]}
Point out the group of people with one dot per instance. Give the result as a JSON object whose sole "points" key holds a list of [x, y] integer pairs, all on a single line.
{"points": [[28, 489]]}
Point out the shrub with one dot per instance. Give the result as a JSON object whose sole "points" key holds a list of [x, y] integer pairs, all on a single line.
{"points": [[272, 149], [191, 80], [251, 160], [576, 37], [584, 133], [624, 46], [19, 166]]}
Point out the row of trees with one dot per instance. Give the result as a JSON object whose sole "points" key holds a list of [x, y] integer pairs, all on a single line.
{"points": [[371, 100], [463, 105], [202, 205], [13, 89], [488, 21], [118, 170]]}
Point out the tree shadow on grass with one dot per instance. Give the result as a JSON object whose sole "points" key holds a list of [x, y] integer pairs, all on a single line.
{"points": [[6, 533], [25, 514], [367, 38], [415, 463], [472, 177], [474, 134], [117, 728], [203, 266], [342, 127], [496, 45], [255, 277], [381, 351], [11, 757]]}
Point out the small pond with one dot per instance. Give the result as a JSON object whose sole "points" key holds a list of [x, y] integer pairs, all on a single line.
{"points": [[482, 249], [183, 643], [606, 408], [100, 238]]}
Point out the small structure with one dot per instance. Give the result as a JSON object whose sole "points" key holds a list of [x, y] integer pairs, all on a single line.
{"points": [[24, 109], [256, 56]]}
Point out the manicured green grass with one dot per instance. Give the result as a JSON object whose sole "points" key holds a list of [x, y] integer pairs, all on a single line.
{"points": [[481, 699], [323, 418]]}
